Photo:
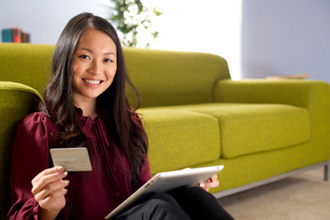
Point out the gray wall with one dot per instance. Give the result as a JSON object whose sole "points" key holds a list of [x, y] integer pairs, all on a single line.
{"points": [[283, 37]]}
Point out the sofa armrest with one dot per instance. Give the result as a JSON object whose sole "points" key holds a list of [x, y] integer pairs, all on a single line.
{"points": [[293, 92], [14, 86], [16, 101], [310, 94]]}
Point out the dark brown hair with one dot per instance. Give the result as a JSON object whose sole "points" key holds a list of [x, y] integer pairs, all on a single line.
{"points": [[58, 103]]}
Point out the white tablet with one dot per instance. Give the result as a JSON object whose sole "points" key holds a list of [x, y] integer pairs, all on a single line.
{"points": [[166, 181]]}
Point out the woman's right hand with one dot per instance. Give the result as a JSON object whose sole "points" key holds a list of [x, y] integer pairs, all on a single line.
{"points": [[48, 188]]}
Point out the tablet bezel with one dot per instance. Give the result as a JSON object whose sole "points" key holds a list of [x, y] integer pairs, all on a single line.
{"points": [[166, 181]]}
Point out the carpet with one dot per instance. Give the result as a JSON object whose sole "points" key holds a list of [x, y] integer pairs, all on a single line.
{"points": [[303, 196]]}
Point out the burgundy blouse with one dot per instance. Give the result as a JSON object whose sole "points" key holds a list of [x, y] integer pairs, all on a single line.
{"points": [[91, 195]]}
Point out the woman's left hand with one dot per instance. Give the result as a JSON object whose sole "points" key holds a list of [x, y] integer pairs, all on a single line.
{"points": [[210, 183]]}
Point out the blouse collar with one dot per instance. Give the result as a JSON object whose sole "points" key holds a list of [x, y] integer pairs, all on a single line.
{"points": [[87, 120]]}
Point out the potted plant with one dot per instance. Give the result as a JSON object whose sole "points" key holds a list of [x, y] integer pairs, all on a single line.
{"points": [[133, 21]]}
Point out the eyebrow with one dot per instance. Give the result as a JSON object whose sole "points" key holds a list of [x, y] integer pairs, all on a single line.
{"points": [[89, 50]]}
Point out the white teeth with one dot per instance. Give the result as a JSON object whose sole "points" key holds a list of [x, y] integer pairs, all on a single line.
{"points": [[95, 82]]}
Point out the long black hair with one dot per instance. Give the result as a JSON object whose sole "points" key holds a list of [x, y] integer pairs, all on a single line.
{"points": [[58, 103]]}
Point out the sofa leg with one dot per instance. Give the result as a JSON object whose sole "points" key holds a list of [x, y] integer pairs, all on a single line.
{"points": [[326, 172]]}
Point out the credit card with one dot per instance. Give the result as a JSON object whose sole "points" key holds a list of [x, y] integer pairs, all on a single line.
{"points": [[72, 159]]}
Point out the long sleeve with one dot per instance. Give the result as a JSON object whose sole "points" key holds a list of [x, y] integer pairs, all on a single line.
{"points": [[30, 156], [92, 194]]}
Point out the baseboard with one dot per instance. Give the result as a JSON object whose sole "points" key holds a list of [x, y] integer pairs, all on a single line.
{"points": [[275, 178]]}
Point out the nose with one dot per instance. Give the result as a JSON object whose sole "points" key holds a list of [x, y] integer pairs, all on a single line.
{"points": [[96, 67]]}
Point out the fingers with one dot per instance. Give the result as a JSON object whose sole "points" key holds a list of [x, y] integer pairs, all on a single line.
{"points": [[53, 170], [46, 177], [52, 190], [210, 183], [49, 184], [48, 188], [54, 202]]}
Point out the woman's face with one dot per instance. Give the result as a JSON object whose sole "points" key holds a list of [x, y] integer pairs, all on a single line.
{"points": [[94, 66]]}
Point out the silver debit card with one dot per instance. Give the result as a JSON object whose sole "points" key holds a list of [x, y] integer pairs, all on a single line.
{"points": [[72, 159]]}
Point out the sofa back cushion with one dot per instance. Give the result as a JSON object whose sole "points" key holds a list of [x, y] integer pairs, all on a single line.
{"points": [[162, 77], [29, 64], [174, 78]]}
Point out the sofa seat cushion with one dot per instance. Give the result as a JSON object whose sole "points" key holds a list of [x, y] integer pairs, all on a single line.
{"points": [[251, 128], [179, 139]]}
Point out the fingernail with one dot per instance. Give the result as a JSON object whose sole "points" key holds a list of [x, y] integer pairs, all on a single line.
{"points": [[66, 182], [60, 168], [64, 173]]}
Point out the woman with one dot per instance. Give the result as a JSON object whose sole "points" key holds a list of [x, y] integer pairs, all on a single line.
{"points": [[85, 106]]}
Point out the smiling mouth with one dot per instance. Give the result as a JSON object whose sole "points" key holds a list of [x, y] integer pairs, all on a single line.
{"points": [[93, 82]]}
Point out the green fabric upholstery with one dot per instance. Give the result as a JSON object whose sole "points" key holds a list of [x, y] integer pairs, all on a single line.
{"points": [[174, 78], [26, 63], [250, 168], [252, 128], [193, 113], [312, 95], [177, 139], [17, 101]]}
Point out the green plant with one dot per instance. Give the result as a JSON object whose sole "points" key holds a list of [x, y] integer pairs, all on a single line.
{"points": [[132, 18]]}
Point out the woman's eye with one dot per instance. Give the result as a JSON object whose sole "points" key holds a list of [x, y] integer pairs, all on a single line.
{"points": [[108, 61], [84, 57]]}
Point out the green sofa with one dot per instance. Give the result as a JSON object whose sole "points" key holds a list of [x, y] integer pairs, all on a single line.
{"points": [[194, 115]]}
